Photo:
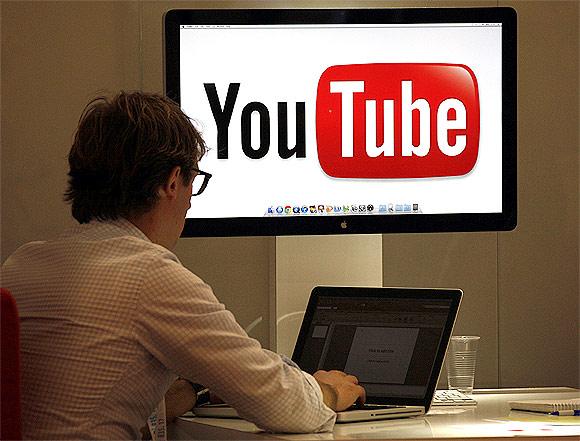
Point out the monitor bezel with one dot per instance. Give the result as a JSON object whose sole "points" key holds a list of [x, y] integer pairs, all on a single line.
{"points": [[362, 224]]}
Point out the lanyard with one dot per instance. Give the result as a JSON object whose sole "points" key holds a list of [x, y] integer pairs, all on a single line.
{"points": [[157, 423]]}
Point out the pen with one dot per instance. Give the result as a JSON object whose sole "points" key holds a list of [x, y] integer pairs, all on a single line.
{"points": [[575, 412]]}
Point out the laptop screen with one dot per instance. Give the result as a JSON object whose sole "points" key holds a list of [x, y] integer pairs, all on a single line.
{"points": [[392, 339]]}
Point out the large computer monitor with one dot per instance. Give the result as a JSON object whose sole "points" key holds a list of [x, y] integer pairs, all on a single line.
{"points": [[347, 121]]}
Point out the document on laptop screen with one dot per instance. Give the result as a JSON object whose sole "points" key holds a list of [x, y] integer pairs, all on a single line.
{"points": [[381, 354], [390, 346]]}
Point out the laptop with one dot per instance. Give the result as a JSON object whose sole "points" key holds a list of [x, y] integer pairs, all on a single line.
{"points": [[392, 339]]}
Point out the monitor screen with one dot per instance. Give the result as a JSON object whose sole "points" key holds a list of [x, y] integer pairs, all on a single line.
{"points": [[342, 121]]}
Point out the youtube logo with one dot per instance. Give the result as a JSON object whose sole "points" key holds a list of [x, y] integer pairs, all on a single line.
{"points": [[413, 120], [400, 120]]}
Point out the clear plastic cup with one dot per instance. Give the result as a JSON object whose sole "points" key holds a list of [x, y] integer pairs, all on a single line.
{"points": [[461, 361]]}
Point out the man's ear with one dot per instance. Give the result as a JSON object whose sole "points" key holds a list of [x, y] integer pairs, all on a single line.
{"points": [[169, 188]]}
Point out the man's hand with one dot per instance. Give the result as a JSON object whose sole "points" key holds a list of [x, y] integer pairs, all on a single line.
{"points": [[339, 390], [178, 399]]}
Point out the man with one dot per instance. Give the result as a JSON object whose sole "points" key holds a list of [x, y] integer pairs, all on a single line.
{"points": [[110, 318]]}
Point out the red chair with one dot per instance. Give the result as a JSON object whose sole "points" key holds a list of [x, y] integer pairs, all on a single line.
{"points": [[11, 420]]}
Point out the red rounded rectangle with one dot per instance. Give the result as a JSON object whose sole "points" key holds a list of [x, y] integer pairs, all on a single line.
{"points": [[409, 120]]}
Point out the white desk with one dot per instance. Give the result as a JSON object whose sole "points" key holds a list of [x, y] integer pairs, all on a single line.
{"points": [[491, 418]]}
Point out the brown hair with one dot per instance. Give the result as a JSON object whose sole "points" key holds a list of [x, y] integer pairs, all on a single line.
{"points": [[123, 150]]}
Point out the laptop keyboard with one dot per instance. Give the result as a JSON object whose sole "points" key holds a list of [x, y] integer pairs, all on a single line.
{"points": [[370, 406], [452, 397]]}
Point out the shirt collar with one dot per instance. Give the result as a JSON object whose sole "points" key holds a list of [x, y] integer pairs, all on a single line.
{"points": [[130, 228]]}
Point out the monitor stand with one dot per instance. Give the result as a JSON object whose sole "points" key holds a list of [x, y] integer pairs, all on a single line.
{"points": [[298, 263]]}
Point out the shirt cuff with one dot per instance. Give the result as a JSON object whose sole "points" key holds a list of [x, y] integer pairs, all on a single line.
{"points": [[329, 425]]}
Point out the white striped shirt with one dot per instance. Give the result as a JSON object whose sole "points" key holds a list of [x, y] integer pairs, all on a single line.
{"points": [[108, 322]]}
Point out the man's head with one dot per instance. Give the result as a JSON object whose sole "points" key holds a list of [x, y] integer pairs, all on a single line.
{"points": [[125, 149]]}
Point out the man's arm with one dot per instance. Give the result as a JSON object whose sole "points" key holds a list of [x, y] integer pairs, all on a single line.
{"points": [[339, 391], [184, 326]]}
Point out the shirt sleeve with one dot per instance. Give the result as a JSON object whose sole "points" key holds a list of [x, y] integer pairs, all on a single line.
{"points": [[183, 325]]}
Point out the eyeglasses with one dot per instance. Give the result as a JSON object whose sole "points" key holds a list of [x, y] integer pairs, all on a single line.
{"points": [[198, 185]]}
